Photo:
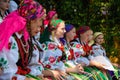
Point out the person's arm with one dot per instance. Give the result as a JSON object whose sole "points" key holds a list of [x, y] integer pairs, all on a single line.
{"points": [[53, 73], [77, 69]]}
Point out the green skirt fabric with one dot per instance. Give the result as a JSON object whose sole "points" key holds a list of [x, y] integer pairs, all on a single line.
{"points": [[116, 72], [91, 73], [81, 76], [97, 74], [31, 76]]}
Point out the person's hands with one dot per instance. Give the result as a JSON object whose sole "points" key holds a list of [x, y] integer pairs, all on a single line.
{"points": [[62, 73], [42, 77], [57, 75], [97, 64], [78, 68]]}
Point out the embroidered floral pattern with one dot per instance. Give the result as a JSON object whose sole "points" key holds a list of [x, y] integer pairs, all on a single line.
{"points": [[52, 59], [13, 46], [48, 66], [78, 45], [59, 58], [69, 57], [3, 62], [40, 68], [77, 54], [9, 45], [51, 46]]}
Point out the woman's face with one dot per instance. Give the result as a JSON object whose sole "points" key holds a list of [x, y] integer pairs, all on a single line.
{"points": [[4, 4], [71, 34], [90, 35], [60, 31], [36, 26], [87, 36], [99, 39]]}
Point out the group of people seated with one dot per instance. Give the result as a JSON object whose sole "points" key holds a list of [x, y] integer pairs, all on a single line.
{"points": [[39, 46]]}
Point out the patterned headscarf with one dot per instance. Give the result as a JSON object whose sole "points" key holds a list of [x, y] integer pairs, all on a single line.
{"points": [[16, 21], [51, 14], [30, 9], [96, 34], [55, 23], [83, 29], [68, 27], [47, 32]]}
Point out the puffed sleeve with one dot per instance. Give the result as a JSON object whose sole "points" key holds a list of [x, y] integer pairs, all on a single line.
{"points": [[8, 59], [51, 57]]}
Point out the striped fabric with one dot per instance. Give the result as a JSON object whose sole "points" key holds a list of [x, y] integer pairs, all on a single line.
{"points": [[92, 73]]}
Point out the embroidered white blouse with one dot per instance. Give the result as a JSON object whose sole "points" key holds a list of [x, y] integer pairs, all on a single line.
{"points": [[78, 51], [35, 66], [52, 55], [8, 59], [99, 55]]}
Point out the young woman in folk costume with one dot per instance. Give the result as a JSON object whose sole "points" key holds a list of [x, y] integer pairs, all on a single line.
{"points": [[73, 56], [51, 15], [17, 45], [84, 35], [53, 53], [4, 5], [99, 55]]}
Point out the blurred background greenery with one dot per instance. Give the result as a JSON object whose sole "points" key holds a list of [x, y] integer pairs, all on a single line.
{"points": [[100, 15]]}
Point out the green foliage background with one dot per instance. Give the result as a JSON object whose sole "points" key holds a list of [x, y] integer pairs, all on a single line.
{"points": [[100, 15]]}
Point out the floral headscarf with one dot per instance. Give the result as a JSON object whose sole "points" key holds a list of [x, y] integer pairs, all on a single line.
{"points": [[68, 27], [51, 14], [55, 23], [30, 9], [16, 21], [83, 29]]}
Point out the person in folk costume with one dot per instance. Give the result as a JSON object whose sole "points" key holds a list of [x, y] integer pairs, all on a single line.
{"points": [[99, 54], [73, 55], [16, 42], [84, 35], [4, 5], [52, 14], [35, 16], [52, 50]]}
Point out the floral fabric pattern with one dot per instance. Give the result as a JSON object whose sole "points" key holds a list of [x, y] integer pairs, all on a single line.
{"points": [[52, 55]]}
